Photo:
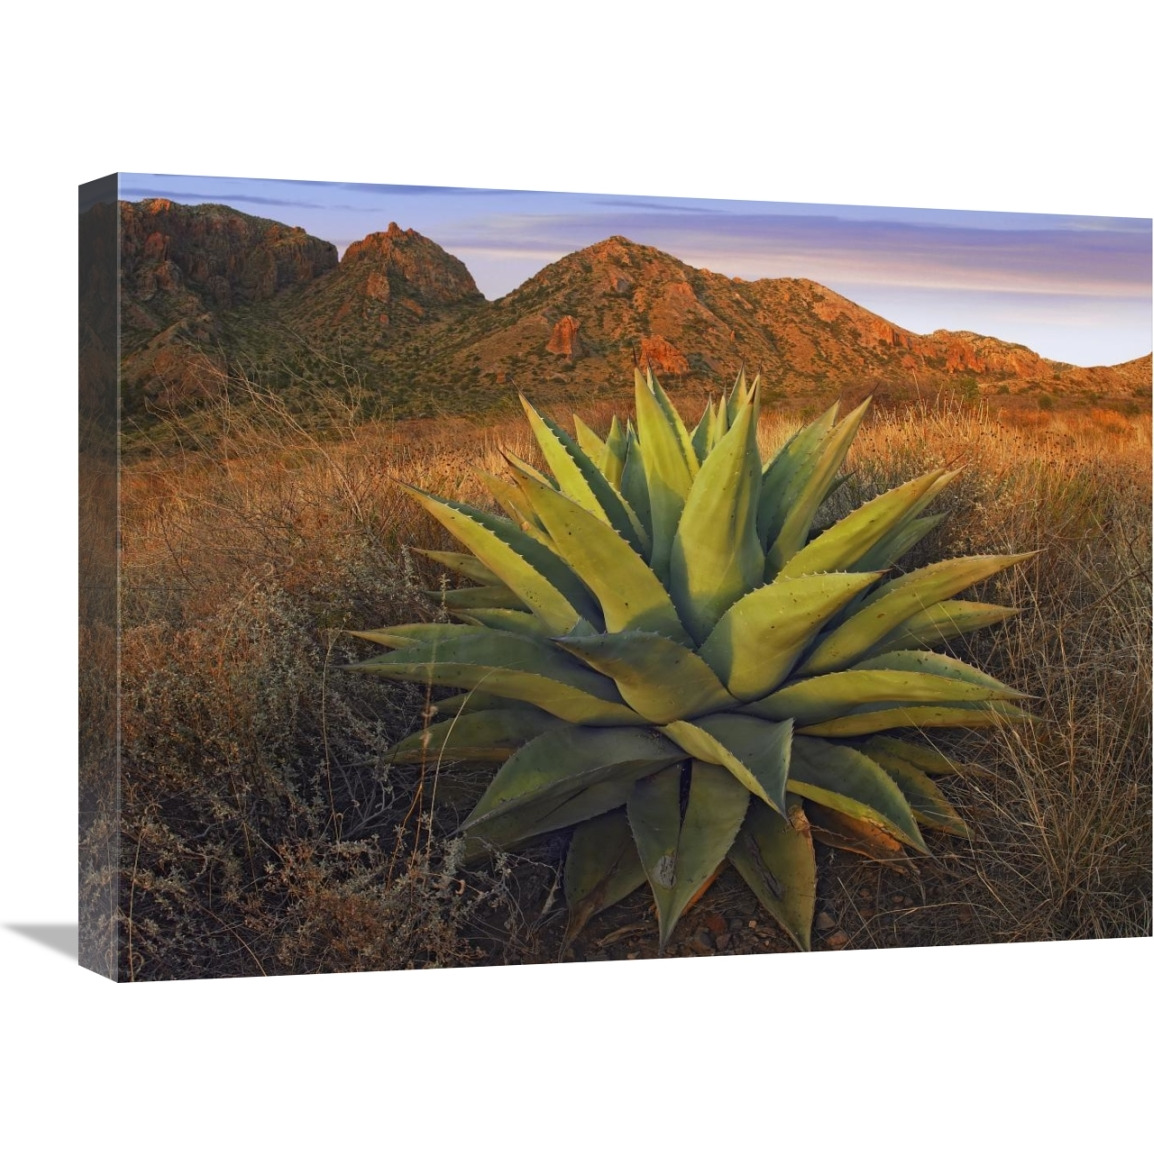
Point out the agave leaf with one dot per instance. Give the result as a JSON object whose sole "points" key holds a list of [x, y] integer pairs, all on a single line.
{"points": [[873, 719], [667, 474], [796, 482], [510, 620], [415, 633], [511, 666], [760, 638], [463, 563], [833, 828], [634, 487], [615, 447], [477, 597], [520, 824], [847, 780], [897, 544], [834, 485], [918, 661], [703, 432], [601, 868], [774, 855], [661, 680], [629, 593], [786, 471], [562, 762], [918, 756], [928, 802], [681, 853], [581, 480], [485, 735], [756, 752], [806, 492], [738, 396], [536, 575], [942, 622], [834, 694], [591, 444], [474, 701], [716, 557], [675, 421], [515, 505], [910, 529], [898, 600], [851, 538]]}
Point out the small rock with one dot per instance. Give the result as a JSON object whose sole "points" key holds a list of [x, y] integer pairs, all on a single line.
{"points": [[752, 923], [837, 941], [899, 900], [736, 924], [716, 923], [863, 893], [723, 941], [701, 942], [824, 922]]}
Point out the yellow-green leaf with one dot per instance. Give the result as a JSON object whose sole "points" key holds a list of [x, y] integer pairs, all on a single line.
{"points": [[716, 557], [804, 490], [760, 638], [873, 719], [898, 600], [668, 476], [847, 780], [628, 591], [512, 666], [537, 576], [831, 695], [581, 480], [774, 855], [681, 853], [562, 762], [756, 752], [943, 622], [921, 757], [486, 735], [463, 563], [661, 680], [601, 868], [846, 542], [926, 800]]}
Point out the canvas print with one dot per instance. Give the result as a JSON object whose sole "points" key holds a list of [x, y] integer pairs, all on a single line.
{"points": [[476, 577]]}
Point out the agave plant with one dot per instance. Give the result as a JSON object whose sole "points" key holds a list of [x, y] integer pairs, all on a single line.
{"points": [[662, 654]]}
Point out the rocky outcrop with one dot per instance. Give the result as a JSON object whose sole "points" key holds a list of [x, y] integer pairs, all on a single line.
{"points": [[410, 262], [220, 256], [384, 286], [564, 340], [662, 357]]}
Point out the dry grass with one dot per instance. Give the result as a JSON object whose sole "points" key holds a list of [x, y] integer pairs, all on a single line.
{"points": [[263, 832]]}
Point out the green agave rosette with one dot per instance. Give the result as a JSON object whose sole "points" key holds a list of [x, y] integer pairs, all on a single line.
{"points": [[661, 655]]}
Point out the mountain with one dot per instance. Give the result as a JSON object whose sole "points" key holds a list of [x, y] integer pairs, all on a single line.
{"points": [[208, 289], [183, 265], [385, 286]]}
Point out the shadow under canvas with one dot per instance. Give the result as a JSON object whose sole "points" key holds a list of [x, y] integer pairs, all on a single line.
{"points": [[62, 937]]}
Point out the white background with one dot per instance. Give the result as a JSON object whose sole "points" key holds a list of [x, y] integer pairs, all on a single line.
{"points": [[979, 105]]}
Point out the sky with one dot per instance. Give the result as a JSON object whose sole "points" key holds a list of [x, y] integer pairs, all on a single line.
{"points": [[1073, 288]]}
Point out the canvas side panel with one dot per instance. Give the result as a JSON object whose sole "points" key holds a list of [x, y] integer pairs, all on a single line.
{"points": [[98, 577]]}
